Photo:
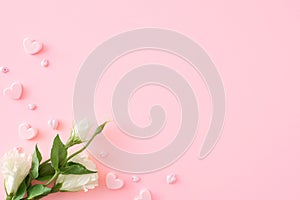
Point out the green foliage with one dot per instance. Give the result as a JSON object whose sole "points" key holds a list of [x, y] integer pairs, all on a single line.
{"points": [[75, 168], [58, 154], [37, 190], [59, 163], [36, 159]]}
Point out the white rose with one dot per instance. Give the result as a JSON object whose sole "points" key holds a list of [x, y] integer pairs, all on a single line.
{"points": [[80, 182], [15, 166]]}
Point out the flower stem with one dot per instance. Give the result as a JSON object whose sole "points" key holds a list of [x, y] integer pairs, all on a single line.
{"points": [[52, 179], [98, 131], [83, 148]]}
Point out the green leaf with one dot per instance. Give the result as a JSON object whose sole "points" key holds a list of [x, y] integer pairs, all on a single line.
{"points": [[46, 172], [75, 168], [58, 154], [100, 128], [36, 159], [37, 190], [56, 187], [20, 192]]}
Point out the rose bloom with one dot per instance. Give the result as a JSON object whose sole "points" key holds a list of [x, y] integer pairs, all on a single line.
{"points": [[15, 166], [80, 182]]}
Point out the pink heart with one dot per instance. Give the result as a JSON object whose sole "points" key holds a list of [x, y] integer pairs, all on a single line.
{"points": [[53, 123], [26, 132], [144, 195], [31, 46], [14, 91], [112, 182]]}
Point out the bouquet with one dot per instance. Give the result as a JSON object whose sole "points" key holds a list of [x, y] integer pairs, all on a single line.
{"points": [[27, 177]]}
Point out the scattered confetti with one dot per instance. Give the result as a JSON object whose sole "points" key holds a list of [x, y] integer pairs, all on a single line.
{"points": [[26, 132], [135, 179], [45, 63], [145, 194], [14, 91], [31, 46], [171, 178], [53, 123], [112, 182], [31, 106], [4, 69]]}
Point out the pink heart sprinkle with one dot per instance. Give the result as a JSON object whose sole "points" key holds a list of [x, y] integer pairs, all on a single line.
{"points": [[112, 182], [26, 132], [144, 195], [14, 91], [31, 46]]}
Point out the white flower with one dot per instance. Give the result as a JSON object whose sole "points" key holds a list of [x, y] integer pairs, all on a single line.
{"points": [[79, 133], [15, 166], [80, 182], [82, 128]]}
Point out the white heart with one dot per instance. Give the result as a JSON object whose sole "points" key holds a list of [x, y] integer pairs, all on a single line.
{"points": [[14, 91], [112, 182], [26, 132], [144, 195], [31, 46], [53, 123], [171, 178]]}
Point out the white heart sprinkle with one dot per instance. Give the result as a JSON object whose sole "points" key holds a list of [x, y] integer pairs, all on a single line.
{"points": [[26, 132], [31, 106], [14, 91], [45, 63], [112, 182], [135, 179], [171, 178], [31, 46], [53, 123], [145, 194]]}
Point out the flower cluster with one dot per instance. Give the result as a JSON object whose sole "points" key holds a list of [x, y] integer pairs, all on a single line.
{"points": [[27, 177]]}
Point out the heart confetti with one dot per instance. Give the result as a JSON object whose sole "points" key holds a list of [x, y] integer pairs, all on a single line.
{"points": [[144, 195], [135, 179], [45, 63], [171, 178], [112, 182], [53, 123], [14, 91], [26, 132], [31, 106], [31, 46]]}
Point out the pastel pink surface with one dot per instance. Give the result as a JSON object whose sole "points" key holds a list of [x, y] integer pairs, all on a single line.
{"points": [[254, 45]]}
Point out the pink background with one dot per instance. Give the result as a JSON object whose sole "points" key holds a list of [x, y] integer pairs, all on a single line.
{"points": [[254, 45]]}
